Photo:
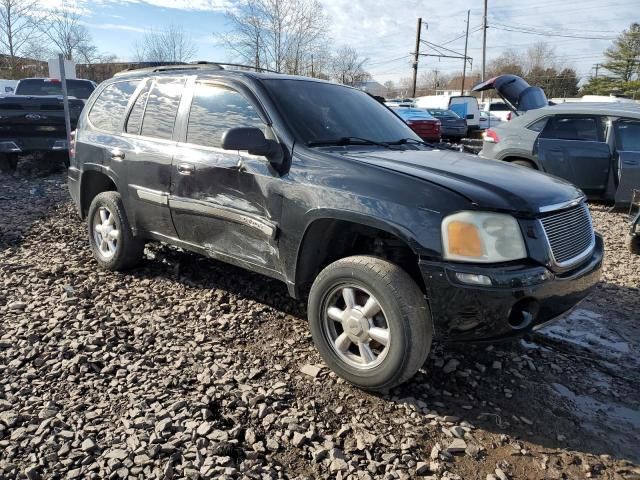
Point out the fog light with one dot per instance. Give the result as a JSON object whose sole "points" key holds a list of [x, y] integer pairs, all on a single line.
{"points": [[473, 279]]}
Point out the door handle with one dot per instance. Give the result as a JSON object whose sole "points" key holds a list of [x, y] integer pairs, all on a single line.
{"points": [[186, 168], [117, 154]]}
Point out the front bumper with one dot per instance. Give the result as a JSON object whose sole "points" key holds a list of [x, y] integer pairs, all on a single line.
{"points": [[520, 297]]}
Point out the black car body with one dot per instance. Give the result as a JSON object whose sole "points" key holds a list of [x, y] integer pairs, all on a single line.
{"points": [[32, 120], [316, 192]]}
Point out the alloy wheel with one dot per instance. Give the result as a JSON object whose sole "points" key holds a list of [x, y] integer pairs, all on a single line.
{"points": [[105, 232], [356, 326]]}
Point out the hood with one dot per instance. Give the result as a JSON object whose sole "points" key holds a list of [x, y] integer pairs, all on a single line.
{"points": [[516, 92], [489, 184]]}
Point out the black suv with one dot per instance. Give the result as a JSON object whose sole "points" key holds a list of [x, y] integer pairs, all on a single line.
{"points": [[324, 188]]}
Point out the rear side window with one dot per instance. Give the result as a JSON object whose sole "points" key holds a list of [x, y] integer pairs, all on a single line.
{"points": [[216, 109], [539, 125], [134, 122], [111, 105], [162, 107], [586, 129], [627, 135]]}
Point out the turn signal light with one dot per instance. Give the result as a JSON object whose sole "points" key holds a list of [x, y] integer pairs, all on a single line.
{"points": [[464, 239]]}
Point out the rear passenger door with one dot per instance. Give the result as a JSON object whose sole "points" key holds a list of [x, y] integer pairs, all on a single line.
{"points": [[627, 142], [150, 129], [220, 199], [574, 147]]}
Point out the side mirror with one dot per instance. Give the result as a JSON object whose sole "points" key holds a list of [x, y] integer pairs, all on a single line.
{"points": [[251, 139]]}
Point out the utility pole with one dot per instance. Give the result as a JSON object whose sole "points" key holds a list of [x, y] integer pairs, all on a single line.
{"points": [[597, 67], [415, 56], [464, 66], [484, 47], [312, 75]]}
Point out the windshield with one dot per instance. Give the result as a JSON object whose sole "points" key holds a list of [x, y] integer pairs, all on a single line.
{"points": [[44, 86], [321, 112]]}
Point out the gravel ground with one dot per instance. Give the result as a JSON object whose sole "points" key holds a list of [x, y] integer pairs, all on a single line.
{"points": [[190, 368]]}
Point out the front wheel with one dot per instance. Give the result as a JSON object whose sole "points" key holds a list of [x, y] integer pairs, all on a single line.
{"points": [[370, 322], [633, 243]]}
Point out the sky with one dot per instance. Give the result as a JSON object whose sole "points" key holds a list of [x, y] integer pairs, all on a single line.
{"points": [[384, 30]]}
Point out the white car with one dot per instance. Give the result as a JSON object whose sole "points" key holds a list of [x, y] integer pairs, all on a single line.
{"points": [[499, 109], [488, 120]]}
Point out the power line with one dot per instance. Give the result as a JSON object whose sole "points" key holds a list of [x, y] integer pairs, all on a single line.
{"points": [[547, 34]]}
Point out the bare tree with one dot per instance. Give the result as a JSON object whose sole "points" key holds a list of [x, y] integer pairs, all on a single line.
{"points": [[347, 66], [509, 61], [540, 55], [169, 45], [63, 28], [18, 28], [283, 35]]}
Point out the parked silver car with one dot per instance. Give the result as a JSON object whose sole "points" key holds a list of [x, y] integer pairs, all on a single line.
{"points": [[596, 146]]}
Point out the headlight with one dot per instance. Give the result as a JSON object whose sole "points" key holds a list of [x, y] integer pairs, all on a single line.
{"points": [[482, 237]]}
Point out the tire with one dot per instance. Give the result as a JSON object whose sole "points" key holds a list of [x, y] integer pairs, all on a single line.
{"points": [[403, 311], [633, 243], [524, 163], [8, 163], [116, 251]]}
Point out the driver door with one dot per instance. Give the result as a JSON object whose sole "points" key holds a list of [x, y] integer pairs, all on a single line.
{"points": [[222, 200]]}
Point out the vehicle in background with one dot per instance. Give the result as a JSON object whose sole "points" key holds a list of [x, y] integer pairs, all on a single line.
{"points": [[487, 120], [407, 102], [465, 106], [425, 125], [516, 93], [633, 237], [498, 109], [76, 88], [451, 125], [594, 146], [32, 120], [7, 87], [391, 242]]}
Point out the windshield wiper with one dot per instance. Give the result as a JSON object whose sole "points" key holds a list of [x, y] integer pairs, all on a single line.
{"points": [[404, 141], [342, 141]]}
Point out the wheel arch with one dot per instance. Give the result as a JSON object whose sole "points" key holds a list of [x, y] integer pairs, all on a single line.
{"points": [[531, 160], [331, 235], [92, 183]]}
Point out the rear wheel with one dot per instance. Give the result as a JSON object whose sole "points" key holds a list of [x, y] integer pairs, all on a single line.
{"points": [[112, 242], [633, 243], [524, 163], [370, 322]]}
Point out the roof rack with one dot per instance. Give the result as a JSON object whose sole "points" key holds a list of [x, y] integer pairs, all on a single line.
{"points": [[200, 65]]}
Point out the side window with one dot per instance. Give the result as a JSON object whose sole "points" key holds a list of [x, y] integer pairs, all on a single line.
{"points": [[162, 107], [586, 129], [134, 122], [214, 110], [627, 135], [111, 105], [538, 126]]}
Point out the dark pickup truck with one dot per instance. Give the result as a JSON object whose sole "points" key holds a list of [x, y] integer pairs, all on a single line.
{"points": [[391, 242], [32, 120]]}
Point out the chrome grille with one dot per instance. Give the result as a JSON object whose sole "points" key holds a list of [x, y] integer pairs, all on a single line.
{"points": [[570, 234]]}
